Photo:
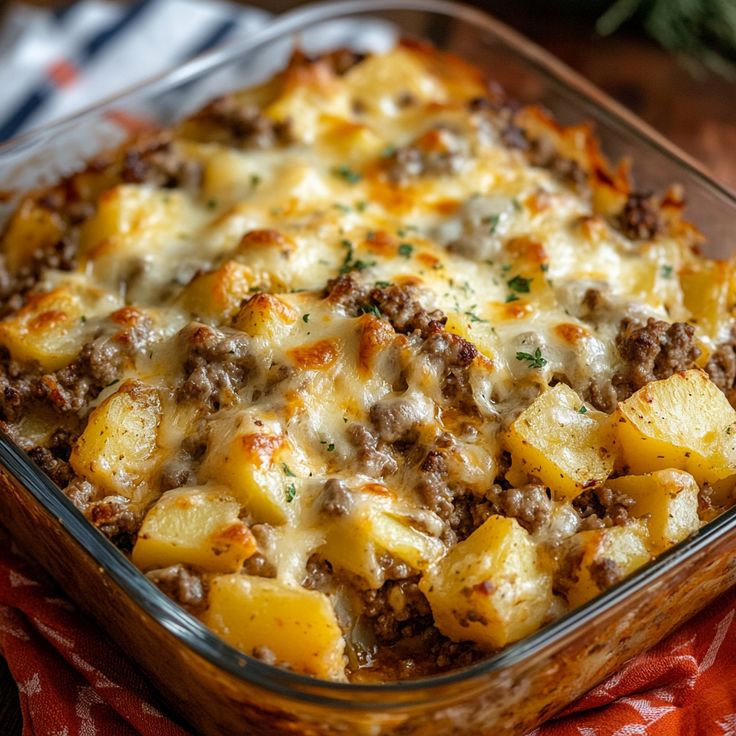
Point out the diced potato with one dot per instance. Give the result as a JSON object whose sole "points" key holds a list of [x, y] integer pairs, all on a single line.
{"points": [[133, 220], [606, 556], [682, 422], [116, 451], [493, 588], [707, 290], [356, 542], [51, 327], [230, 175], [252, 466], [566, 448], [31, 228], [272, 255], [298, 625], [217, 294], [266, 315], [667, 500], [194, 526]]}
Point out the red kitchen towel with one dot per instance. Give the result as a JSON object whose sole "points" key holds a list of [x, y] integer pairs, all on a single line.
{"points": [[73, 680]]}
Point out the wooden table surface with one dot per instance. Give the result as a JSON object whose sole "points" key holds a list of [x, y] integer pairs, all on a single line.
{"points": [[696, 112]]}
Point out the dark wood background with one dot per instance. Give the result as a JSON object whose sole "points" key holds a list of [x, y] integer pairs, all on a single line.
{"points": [[696, 111]]}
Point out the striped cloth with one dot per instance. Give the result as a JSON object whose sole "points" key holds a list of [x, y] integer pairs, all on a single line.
{"points": [[57, 62]]}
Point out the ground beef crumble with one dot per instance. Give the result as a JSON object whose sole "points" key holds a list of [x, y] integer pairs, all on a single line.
{"points": [[652, 352], [602, 507], [182, 584], [640, 219]]}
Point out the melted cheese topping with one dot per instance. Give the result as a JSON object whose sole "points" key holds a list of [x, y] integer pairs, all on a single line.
{"points": [[392, 177]]}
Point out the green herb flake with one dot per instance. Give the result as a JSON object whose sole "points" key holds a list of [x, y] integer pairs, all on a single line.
{"points": [[473, 317], [519, 284], [388, 151], [493, 222], [544, 267], [305, 318], [361, 205], [511, 298], [112, 383], [370, 309], [290, 492], [331, 447], [406, 249], [211, 204], [666, 272], [255, 181], [582, 410], [382, 284], [343, 208], [287, 470], [346, 173], [535, 361], [83, 318]]}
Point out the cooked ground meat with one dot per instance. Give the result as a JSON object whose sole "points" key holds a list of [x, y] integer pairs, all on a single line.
{"points": [[182, 584], [239, 123], [651, 352], [55, 467], [441, 151], [216, 365], [346, 293], [396, 610], [721, 367], [394, 419], [639, 219], [81, 493], [403, 309], [602, 395], [15, 285], [335, 499], [433, 489], [605, 573], [602, 507], [68, 390], [469, 512], [116, 518], [530, 505], [180, 469], [155, 160], [373, 457], [455, 355]]}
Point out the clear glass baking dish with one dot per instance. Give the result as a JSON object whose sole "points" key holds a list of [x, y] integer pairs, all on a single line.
{"points": [[219, 690]]}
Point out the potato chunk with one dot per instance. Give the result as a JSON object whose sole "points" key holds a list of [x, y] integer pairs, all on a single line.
{"points": [[605, 556], [51, 328], [252, 466], [217, 294], [667, 499], [31, 228], [116, 451], [196, 526], [299, 626], [682, 422], [493, 588], [567, 448], [266, 315], [356, 542]]}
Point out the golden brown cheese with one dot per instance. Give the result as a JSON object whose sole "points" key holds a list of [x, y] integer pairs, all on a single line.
{"points": [[367, 355]]}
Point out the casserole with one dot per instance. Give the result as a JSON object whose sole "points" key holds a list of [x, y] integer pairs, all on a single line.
{"points": [[409, 715]]}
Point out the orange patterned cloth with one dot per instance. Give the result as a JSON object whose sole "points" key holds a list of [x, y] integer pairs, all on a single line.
{"points": [[73, 680]]}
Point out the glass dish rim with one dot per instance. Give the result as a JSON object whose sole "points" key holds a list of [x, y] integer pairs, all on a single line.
{"points": [[185, 627]]}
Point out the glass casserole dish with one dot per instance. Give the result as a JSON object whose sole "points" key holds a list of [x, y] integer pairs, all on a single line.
{"points": [[222, 691]]}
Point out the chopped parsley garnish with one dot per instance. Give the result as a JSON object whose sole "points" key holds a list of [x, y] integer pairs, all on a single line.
{"points": [[666, 272], [350, 263], [287, 470], [388, 151], [382, 284], [370, 309], [83, 318], [535, 361], [255, 180], [517, 205], [361, 205], [519, 284], [473, 317], [493, 221], [211, 204], [305, 318], [112, 383], [544, 267], [406, 249], [512, 298], [345, 172], [331, 447], [290, 492], [582, 410]]}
